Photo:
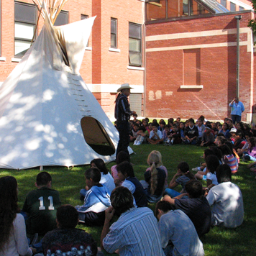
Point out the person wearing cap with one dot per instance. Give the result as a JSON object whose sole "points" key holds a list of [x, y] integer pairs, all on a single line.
{"points": [[237, 108], [122, 115]]}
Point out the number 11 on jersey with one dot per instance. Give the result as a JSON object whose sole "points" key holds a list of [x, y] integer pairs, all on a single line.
{"points": [[42, 207]]}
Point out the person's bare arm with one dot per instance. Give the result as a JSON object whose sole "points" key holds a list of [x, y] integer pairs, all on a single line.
{"points": [[173, 183], [181, 195], [109, 213], [169, 199]]}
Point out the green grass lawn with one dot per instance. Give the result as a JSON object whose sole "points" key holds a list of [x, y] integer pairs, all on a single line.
{"points": [[219, 241]]}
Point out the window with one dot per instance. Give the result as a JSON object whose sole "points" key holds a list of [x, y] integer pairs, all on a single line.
{"points": [[62, 19], [241, 8], [232, 7], [192, 67], [224, 3], [135, 57], [25, 25], [84, 17], [113, 35]]}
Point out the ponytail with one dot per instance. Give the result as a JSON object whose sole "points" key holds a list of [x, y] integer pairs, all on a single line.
{"points": [[153, 181], [190, 175]]}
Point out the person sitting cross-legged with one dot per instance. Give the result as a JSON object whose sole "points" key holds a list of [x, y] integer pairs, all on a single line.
{"points": [[226, 200], [175, 226], [195, 206], [155, 136], [135, 232], [96, 200], [40, 206], [66, 236]]}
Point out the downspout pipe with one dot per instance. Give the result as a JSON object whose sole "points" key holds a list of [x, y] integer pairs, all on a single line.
{"points": [[238, 18]]}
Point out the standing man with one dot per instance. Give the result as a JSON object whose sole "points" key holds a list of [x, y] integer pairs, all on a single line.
{"points": [[237, 108], [122, 115]]}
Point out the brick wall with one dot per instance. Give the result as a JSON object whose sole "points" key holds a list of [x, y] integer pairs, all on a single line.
{"points": [[99, 66], [216, 66]]}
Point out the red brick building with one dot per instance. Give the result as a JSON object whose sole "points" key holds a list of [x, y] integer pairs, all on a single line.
{"points": [[178, 55], [114, 53], [196, 68]]}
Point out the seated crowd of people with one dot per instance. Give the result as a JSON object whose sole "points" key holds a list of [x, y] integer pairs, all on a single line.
{"points": [[186, 208]]}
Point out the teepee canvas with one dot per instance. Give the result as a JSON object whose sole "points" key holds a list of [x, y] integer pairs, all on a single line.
{"points": [[48, 116]]}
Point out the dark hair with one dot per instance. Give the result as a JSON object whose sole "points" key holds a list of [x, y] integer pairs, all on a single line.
{"points": [[67, 216], [252, 141], [43, 178], [184, 168], [230, 146], [100, 165], [208, 152], [121, 199], [164, 206], [225, 150], [240, 134], [191, 120], [122, 156], [135, 124], [8, 207], [217, 152], [212, 163], [194, 188], [94, 174], [223, 173], [126, 169]]}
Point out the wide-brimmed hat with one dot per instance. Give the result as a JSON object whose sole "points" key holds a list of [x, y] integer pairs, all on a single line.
{"points": [[124, 86], [233, 130]]}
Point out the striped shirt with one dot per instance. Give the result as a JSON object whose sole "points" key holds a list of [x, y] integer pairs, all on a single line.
{"points": [[134, 233], [232, 162], [122, 108]]}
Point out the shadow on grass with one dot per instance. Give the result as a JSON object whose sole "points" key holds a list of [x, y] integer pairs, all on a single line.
{"points": [[218, 242]]}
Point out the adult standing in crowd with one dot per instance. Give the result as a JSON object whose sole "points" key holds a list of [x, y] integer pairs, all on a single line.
{"points": [[122, 115], [237, 108]]}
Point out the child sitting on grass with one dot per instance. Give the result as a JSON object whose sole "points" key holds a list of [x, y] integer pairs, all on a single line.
{"points": [[126, 175], [180, 178], [159, 165], [154, 178], [96, 201], [229, 158], [195, 206], [121, 157], [212, 163], [41, 206], [155, 136], [106, 177]]}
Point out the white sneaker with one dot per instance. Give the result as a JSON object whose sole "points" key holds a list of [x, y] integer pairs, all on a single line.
{"points": [[196, 169]]}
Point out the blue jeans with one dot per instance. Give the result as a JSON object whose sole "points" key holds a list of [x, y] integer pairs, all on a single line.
{"points": [[235, 118], [171, 192]]}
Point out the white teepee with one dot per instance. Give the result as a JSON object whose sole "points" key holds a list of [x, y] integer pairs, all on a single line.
{"points": [[48, 116]]}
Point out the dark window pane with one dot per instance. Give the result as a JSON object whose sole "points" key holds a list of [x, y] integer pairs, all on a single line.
{"points": [[113, 26], [113, 41], [224, 3], [232, 7], [135, 59], [83, 16], [185, 7], [62, 18], [25, 13], [134, 30]]}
